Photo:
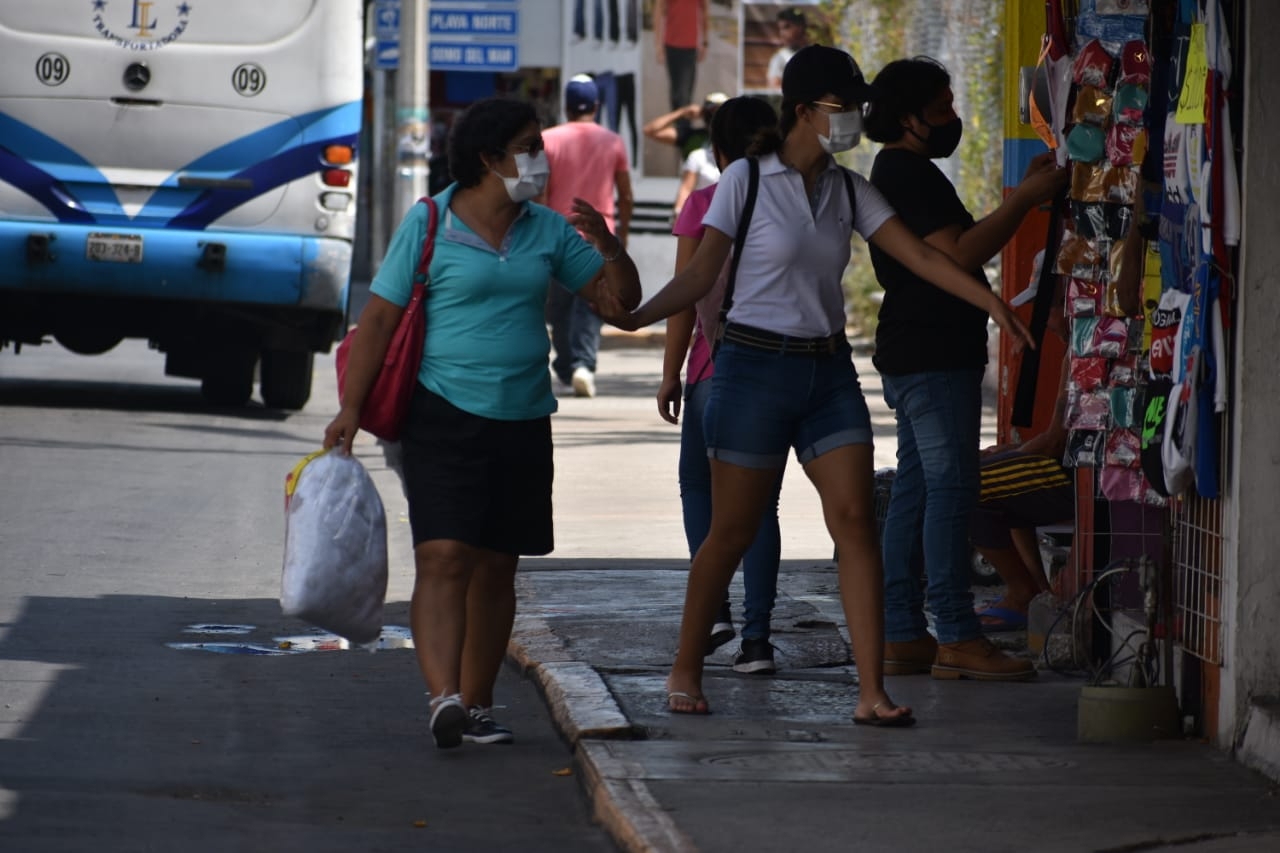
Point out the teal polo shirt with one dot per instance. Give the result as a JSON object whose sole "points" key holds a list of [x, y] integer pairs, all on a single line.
{"points": [[487, 347]]}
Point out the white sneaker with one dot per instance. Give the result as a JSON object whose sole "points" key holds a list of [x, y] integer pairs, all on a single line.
{"points": [[584, 383]]}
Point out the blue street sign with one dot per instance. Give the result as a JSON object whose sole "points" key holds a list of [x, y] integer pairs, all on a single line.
{"points": [[473, 22], [386, 19], [472, 56], [386, 55]]}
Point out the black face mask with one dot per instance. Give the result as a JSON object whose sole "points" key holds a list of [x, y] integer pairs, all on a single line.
{"points": [[943, 138]]}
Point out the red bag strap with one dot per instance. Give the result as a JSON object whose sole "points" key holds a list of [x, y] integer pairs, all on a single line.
{"points": [[429, 244]]}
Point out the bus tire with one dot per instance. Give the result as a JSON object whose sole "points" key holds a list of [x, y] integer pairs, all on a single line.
{"points": [[230, 382], [286, 378]]}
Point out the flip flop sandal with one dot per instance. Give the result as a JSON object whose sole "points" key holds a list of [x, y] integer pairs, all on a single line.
{"points": [[901, 721], [693, 700]]}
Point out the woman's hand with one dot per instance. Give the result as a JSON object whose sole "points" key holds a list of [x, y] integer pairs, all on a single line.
{"points": [[1011, 324], [342, 430], [609, 306], [1043, 179], [590, 222], [669, 396]]}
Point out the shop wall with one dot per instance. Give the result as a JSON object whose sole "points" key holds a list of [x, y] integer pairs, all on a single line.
{"points": [[602, 38], [1254, 640]]}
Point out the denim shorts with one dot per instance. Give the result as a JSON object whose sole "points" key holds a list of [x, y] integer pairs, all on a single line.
{"points": [[763, 403]]}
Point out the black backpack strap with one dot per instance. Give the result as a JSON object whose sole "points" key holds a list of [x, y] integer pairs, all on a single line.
{"points": [[744, 223]]}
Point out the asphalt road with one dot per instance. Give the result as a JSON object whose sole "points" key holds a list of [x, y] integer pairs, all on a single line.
{"points": [[130, 513]]}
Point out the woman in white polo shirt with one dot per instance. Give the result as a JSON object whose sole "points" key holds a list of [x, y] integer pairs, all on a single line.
{"points": [[784, 375]]}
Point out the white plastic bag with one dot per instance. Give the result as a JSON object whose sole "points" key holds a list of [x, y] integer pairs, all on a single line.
{"points": [[335, 550]]}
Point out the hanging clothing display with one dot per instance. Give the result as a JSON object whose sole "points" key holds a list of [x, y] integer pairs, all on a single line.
{"points": [[1147, 134]]}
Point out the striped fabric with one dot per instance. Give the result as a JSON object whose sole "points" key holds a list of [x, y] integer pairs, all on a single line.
{"points": [[1021, 475]]}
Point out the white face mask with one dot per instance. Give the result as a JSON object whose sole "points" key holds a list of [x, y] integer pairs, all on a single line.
{"points": [[846, 131], [531, 177]]}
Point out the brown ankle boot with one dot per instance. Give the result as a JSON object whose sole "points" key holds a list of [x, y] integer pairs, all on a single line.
{"points": [[981, 660], [910, 658]]}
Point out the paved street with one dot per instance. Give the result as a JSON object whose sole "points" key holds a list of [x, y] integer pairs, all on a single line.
{"points": [[132, 513]]}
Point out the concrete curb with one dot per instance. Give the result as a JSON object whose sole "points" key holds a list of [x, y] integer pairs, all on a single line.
{"points": [[584, 711]]}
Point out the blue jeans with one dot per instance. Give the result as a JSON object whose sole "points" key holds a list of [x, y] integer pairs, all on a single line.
{"points": [[575, 332], [760, 563], [939, 415]]}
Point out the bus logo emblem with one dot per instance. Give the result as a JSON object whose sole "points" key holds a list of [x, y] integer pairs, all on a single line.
{"points": [[145, 29]]}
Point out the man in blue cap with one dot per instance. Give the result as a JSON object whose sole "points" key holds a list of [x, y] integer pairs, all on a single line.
{"points": [[589, 162]]}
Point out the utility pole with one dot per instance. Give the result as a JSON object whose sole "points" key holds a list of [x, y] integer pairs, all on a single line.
{"points": [[413, 117]]}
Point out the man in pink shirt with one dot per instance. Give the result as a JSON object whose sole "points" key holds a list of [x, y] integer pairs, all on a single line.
{"points": [[588, 162]]}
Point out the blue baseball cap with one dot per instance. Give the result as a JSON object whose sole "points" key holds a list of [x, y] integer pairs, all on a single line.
{"points": [[581, 94]]}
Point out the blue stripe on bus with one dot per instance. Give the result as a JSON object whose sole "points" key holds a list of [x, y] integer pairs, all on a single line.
{"points": [[270, 157], [260, 268], [37, 156]]}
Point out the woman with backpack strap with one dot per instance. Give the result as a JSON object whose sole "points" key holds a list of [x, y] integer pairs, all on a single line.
{"points": [[784, 374]]}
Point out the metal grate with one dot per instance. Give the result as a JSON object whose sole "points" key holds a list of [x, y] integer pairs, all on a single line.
{"points": [[1199, 549]]}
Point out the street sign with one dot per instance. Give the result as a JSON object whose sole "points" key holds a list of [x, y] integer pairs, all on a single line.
{"points": [[473, 35], [386, 31], [386, 19], [465, 22], [386, 55], [472, 56]]}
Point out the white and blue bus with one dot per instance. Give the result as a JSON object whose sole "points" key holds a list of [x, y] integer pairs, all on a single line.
{"points": [[183, 172]]}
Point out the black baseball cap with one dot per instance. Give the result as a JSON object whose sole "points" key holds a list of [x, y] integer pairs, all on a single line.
{"points": [[817, 69]]}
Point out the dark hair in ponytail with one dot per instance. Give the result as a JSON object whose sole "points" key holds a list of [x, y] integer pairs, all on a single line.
{"points": [[770, 141], [737, 123]]}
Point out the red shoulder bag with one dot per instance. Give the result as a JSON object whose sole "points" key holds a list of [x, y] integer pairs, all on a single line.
{"points": [[387, 404]]}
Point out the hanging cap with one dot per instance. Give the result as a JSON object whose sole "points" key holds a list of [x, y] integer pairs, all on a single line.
{"points": [[581, 94], [817, 69]]}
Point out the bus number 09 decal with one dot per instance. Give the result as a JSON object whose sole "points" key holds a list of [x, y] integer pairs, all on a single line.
{"points": [[249, 79], [53, 69]]}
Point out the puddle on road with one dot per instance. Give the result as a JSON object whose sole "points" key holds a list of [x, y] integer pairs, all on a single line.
{"points": [[393, 637]]}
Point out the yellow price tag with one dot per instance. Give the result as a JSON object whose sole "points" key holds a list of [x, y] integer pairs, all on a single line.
{"points": [[1191, 105]]}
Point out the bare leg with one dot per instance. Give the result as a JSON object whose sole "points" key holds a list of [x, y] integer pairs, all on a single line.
{"points": [[843, 478], [1028, 548], [491, 611], [437, 614], [1022, 583], [738, 498]]}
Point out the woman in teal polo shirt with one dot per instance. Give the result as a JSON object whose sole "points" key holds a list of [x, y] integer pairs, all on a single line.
{"points": [[477, 444]]}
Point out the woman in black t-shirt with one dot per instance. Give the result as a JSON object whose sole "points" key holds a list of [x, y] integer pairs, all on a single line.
{"points": [[931, 349]]}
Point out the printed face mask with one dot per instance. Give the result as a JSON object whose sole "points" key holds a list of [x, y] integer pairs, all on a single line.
{"points": [[846, 131], [531, 177]]}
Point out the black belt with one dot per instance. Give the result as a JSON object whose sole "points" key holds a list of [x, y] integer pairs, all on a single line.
{"points": [[763, 339]]}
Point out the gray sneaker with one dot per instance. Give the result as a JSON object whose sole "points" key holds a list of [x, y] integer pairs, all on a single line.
{"points": [[482, 728], [448, 720]]}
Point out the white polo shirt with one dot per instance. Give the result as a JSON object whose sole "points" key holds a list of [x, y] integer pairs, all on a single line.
{"points": [[795, 254]]}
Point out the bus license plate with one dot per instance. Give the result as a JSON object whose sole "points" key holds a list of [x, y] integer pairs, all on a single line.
{"points": [[114, 248]]}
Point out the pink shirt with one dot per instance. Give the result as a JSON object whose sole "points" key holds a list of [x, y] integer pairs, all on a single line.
{"points": [[689, 224], [584, 159]]}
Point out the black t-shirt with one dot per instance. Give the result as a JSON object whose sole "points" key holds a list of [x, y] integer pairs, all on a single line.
{"points": [[922, 327]]}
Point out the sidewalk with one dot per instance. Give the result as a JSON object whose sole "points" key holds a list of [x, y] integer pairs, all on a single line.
{"points": [[779, 766]]}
